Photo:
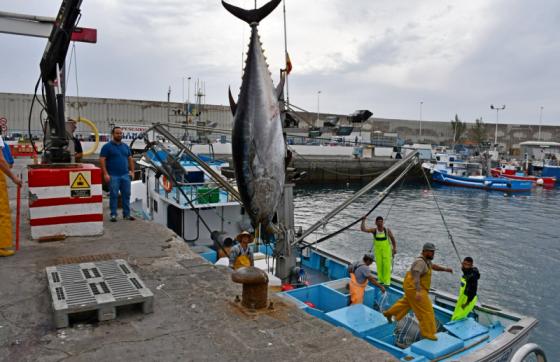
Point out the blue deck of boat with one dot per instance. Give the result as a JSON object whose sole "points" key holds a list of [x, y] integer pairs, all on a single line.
{"points": [[330, 301]]}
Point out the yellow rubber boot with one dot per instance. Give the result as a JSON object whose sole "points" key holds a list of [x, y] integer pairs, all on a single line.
{"points": [[6, 252]]}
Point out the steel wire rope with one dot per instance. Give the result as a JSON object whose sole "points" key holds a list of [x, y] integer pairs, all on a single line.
{"points": [[383, 197], [389, 211], [442, 217]]}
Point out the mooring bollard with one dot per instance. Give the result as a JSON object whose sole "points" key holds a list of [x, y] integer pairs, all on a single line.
{"points": [[255, 286]]}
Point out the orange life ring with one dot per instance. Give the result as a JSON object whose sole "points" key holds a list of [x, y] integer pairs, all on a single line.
{"points": [[166, 183]]}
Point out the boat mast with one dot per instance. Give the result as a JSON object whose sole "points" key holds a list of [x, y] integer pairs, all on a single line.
{"points": [[286, 57]]}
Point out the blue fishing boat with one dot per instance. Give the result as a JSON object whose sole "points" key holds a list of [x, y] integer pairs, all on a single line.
{"points": [[488, 334], [482, 182], [450, 170], [318, 279]]}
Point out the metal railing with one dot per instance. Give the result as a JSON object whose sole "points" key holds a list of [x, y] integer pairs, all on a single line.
{"points": [[528, 349]]}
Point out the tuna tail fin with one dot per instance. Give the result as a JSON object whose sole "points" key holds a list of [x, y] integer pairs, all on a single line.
{"points": [[280, 86], [252, 16], [232, 103]]}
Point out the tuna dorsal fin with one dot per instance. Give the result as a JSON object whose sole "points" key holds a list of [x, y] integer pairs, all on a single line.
{"points": [[232, 104], [280, 86], [252, 16]]}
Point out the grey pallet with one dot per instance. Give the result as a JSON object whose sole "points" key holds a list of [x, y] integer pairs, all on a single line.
{"points": [[99, 286]]}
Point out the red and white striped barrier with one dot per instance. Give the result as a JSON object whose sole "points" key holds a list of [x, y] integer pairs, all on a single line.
{"points": [[65, 200]]}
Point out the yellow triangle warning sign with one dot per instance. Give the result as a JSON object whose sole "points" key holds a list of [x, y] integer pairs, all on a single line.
{"points": [[80, 182]]}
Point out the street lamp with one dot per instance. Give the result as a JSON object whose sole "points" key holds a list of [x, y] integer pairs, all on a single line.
{"points": [[188, 98], [540, 122], [318, 99], [168, 103], [420, 135], [498, 109]]}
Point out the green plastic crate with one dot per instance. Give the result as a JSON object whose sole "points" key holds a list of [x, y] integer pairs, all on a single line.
{"points": [[206, 195]]}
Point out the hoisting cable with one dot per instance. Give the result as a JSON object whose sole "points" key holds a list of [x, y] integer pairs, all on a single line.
{"points": [[171, 177], [412, 158], [442, 217], [383, 194], [394, 199]]}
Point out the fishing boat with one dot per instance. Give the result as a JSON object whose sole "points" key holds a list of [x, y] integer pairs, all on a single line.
{"points": [[488, 334], [452, 171], [319, 281], [516, 173]]}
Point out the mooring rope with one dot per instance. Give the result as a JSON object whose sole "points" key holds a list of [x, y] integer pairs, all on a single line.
{"points": [[442, 217]]}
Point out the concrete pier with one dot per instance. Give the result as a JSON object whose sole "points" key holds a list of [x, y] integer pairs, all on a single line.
{"points": [[195, 317]]}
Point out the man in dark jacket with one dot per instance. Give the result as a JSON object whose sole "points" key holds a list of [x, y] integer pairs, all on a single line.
{"points": [[467, 293]]}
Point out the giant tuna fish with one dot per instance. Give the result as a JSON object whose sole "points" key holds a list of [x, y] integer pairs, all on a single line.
{"points": [[258, 146]]}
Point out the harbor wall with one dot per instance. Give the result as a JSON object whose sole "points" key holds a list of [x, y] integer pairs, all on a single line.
{"points": [[105, 112]]}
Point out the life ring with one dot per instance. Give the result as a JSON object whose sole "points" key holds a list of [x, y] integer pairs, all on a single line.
{"points": [[91, 125], [166, 183]]}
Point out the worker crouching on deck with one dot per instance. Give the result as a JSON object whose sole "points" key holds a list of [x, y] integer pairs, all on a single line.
{"points": [[416, 286], [359, 276], [241, 254], [467, 293]]}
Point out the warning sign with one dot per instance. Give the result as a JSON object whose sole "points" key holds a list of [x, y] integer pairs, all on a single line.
{"points": [[80, 184]]}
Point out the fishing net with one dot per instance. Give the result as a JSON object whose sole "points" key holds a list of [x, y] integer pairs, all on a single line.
{"points": [[407, 331]]}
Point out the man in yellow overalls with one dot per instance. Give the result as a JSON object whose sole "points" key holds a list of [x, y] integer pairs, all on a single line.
{"points": [[384, 251], [467, 293], [359, 276], [5, 213], [241, 254], [416, 286]]}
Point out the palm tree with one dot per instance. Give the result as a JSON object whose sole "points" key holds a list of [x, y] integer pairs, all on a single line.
{"points": [[478, 132], [459, 129]]}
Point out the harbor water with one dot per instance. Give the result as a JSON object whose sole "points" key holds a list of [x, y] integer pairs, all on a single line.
{"points": [[512, 238]]}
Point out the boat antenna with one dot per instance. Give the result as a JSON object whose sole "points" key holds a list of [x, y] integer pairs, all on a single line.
{"points": [[442, 217]]}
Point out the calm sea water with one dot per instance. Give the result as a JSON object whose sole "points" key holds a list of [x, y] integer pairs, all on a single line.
{"points": [[513, 240]]}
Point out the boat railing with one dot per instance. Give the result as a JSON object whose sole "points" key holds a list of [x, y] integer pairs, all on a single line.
{"points": [[199, 193], [529, 349]]}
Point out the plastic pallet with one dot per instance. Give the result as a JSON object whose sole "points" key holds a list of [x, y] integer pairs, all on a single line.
{"points": [[98, 286]]}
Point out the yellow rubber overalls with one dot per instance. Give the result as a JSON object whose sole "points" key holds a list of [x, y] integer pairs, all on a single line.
{"points": [[243, 259], [357, 290], [423, 309], [460, 312], [5, 217], [383, 256]]}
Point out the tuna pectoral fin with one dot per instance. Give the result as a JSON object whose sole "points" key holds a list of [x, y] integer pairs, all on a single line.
{"points": [[252, 16], [280, 87], [232, 104]]}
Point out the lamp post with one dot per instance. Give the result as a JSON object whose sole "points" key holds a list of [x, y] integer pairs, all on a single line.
{"points": [[498, 109], [420, 134], [188, 98], [318, 104], [168, 103], [540, 122]]}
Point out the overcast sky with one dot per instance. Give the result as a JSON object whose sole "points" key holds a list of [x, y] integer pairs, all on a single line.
{"points": [[383, 55]]}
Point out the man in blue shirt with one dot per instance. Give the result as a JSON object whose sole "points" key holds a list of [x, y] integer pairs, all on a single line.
{"points": [[117, 166]]}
